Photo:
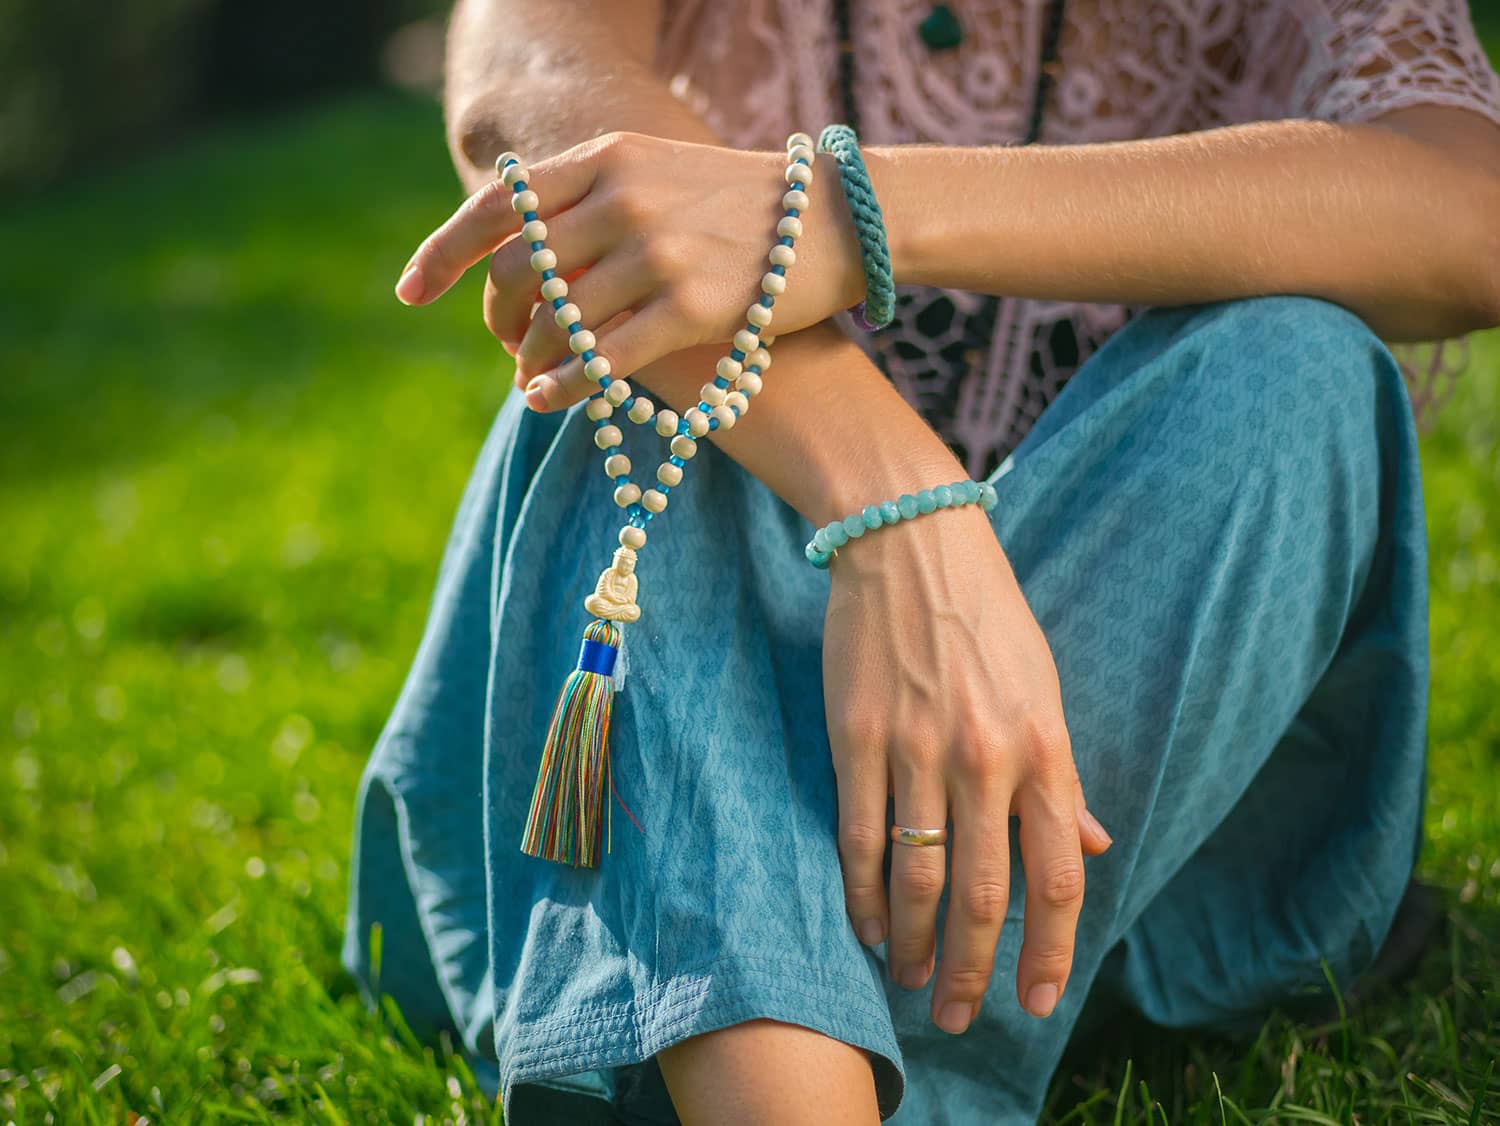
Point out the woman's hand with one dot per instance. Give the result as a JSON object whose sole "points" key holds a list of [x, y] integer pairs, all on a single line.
{"points": [[664, 244], [940, 689]]}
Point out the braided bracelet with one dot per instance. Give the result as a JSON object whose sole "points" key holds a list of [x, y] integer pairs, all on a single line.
{"points": [[563, 822], [828, 539], [878, 308]]}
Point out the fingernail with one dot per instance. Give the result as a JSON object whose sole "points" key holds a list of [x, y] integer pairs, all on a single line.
{"points": [[1041, 1000], [1098, 828], [870, 932], [409, 288], [954, 1016], [536, 392], [913, 977]]}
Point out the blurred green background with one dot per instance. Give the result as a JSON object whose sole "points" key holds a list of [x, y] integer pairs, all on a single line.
{"points": [[228, 461]]}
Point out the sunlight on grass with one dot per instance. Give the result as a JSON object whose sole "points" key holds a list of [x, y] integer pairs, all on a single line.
{"points": [[228, 461]]}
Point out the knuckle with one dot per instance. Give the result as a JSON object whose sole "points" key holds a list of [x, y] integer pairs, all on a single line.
{"points": [[1047, 740], [632, 210], [977, 759], [1062, 883], [969, 980], [983, 901], [861, 839], [662, 254], [857, 730], [1050, 957], [492, 197], [922, 882]]}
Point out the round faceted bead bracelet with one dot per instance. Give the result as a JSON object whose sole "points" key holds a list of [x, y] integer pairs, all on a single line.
{"points": [[828, 539]]}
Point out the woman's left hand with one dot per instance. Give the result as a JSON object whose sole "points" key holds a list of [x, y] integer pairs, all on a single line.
{"points": [[663, 244]]}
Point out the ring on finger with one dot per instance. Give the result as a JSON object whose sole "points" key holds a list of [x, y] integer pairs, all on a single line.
{"points": [[903, 834]]}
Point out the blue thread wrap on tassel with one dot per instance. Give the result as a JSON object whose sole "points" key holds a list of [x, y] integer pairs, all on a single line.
{"points": [[596, 656]]}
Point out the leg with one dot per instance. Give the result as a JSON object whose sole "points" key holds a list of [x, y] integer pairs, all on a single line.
{"points": [[766, 1071]]}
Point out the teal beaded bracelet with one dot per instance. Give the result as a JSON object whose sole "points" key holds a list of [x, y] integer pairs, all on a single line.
{"points": [[829, 538]]}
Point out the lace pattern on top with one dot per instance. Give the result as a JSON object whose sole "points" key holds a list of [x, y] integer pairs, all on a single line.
{"points": [[981, 369]]}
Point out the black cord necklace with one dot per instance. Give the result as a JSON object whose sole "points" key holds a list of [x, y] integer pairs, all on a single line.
{"points": [[951, 35]]}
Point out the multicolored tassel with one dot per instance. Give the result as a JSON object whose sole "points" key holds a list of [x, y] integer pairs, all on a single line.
{"points": [[564, 821]]}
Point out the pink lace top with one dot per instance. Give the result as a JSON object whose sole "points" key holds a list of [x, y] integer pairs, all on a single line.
{"points": [[981, 369]]}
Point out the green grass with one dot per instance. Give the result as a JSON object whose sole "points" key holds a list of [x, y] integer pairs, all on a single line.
{"points": [[228, 461]]}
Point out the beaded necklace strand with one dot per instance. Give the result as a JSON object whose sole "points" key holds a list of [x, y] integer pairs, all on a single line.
{"points": [[563, 823]]}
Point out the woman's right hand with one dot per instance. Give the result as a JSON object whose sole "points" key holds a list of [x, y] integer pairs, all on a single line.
{"points": [[941, 690]]}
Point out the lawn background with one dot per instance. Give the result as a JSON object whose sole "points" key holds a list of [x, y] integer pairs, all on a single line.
{"points": [[228, 462]]}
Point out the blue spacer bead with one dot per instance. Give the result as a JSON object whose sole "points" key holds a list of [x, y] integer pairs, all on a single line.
{"points": [[605, 381], [889, 512], [623, 479], [538, 244], [792, 212], [836, 534], [767, 300], [925, 501], [682, 426], [906, 504], [720, 381], [854, 527], [663, 488], [576, 326], [530, 216], [800, 160], [586, 355], [736, 355], [628, 403], [871, 517], [942, 496], [508, 163], [780, 271], [703, 406], [713, 424], [786, 240], [675, 460], [559, 302], [548, 275], [735, 410], [519, 186]]}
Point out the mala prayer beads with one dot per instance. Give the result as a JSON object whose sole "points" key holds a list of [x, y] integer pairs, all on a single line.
{"points": [[564, 823]]}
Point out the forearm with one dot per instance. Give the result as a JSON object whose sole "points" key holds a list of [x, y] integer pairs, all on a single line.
{"points": [[829, 432], [1394, 228]]}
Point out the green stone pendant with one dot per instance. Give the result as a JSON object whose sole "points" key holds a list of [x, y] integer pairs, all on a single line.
{"points": [[941, 30]]}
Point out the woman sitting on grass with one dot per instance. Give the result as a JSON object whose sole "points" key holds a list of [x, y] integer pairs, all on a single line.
{"points": [[1146, 254]]}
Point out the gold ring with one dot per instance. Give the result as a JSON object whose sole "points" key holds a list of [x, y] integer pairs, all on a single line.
{"points": [[902, 835]]}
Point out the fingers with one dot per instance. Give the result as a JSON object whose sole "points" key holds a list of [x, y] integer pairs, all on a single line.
{"points": [[1054, 894], [916, 870], [977, 900], [1091, 835], [485, 220], [628, 344], [862, 777], [603, 292]]}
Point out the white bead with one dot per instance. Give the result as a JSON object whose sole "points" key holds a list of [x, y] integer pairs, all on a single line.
{"points": [[766, 340], [798, 139], [782, 256], [534, 230], [749, 383], [631, 536], [567, 314], [513, 173], [627, 494], [774, 284], [553, 288], [596, 369], [795, 200], [802, 152], [684, 447], [758, 314], [581, 341], [523, 202], [737, 398], [725, 416], [697, 422], [607, 436], [503, 157], [789, 227], [760, 358], [711, 393], [669, 474], [799, 175], [746, 341], [617, 392], [666, 423], [617, 465], [653, 501], [641, 410], [599, 408], [543, 259]]}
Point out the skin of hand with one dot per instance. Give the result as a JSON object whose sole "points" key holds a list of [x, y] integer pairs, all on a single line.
{"points": [[654, 268]]}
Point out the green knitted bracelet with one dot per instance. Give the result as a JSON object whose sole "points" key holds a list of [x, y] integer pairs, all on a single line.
{"points": [[878, 308]]}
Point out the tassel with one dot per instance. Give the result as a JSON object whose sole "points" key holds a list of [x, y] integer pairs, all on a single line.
{"points": [[563, 823]]}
